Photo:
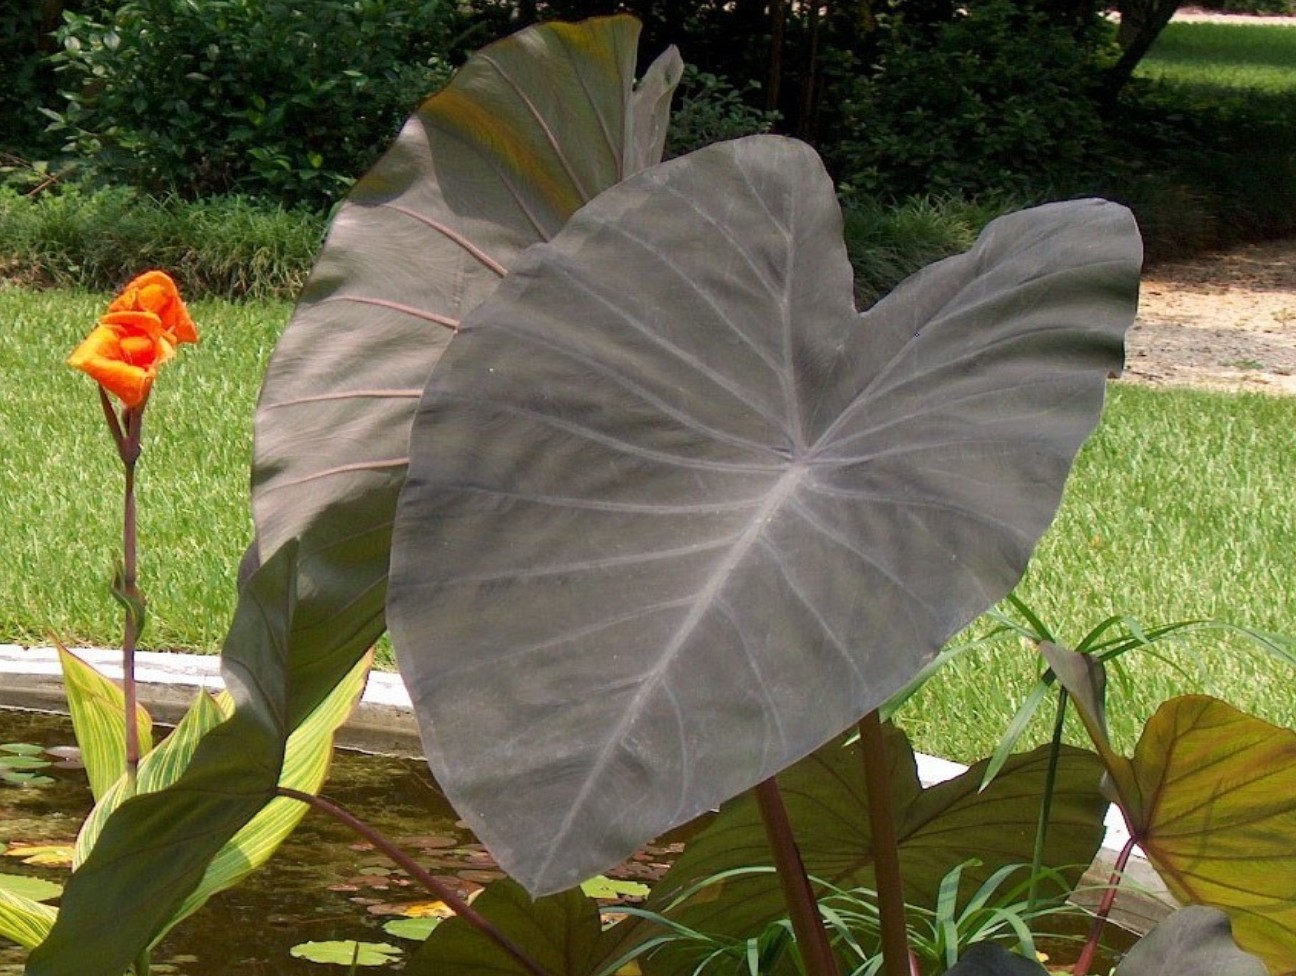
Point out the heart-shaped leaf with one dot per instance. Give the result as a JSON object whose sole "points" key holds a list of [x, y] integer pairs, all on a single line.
{"points": [[1218, 818], [562, 933], [1210, 796], [528, 130], [677, 514]]}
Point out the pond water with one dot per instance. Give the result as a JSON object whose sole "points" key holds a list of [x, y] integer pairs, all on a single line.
{"points": [[321, 885]]}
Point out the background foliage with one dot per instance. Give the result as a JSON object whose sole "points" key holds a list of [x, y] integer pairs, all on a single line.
{"points": [[989, 105], [275, 98], [998, 98]]}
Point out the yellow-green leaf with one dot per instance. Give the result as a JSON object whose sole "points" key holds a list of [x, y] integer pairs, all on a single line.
{"points": [[1219, 818], [157, 770], [98, 709], [46, 855], [30, 888], [23, 920], [306, 764], [347, 953], [605, 887]]}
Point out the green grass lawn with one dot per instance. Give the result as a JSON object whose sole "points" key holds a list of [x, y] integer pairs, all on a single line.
{"points": [[61, 506], [1182, 505], [1221, 56]]}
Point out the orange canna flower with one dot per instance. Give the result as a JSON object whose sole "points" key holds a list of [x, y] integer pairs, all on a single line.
{"points": [[140, 332], [155, 292]]}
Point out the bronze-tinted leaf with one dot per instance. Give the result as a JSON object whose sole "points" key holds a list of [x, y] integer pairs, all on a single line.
{"points": [[1219, 818]]}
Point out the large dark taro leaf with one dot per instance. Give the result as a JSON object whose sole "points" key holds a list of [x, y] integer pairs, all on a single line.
{"points": [[677, 513], [528, 130]]}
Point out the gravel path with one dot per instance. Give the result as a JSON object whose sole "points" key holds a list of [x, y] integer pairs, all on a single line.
{"points": [[1225, 321]]}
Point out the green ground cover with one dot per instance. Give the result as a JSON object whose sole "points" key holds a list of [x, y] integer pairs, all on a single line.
{"points": [[1181, 506], [1222, 56]]}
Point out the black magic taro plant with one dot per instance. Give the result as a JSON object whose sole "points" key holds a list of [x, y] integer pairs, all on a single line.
{"points": [[653, 513]]}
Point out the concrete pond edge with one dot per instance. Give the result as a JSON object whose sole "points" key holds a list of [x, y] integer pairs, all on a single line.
{"points": [[383, 722]]}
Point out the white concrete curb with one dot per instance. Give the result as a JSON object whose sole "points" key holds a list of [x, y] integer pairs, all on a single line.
{"points": [[167, 683]]}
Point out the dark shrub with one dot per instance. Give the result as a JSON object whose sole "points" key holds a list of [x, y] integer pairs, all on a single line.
{"points": [[1000, 98], [257, 96]]}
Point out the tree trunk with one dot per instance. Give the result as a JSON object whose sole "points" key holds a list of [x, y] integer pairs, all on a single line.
{"points": [[1142, 22], [778, 21]]}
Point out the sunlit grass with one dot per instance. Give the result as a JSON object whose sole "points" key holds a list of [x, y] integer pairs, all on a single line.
{"points": [[1181, 506], [1248, 56], [61, 507]]}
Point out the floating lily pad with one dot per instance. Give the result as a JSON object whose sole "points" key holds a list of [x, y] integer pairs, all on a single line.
{"points": [[347, 952], [15, 778], [22, 749], [18, 762], [22, 762], [417, 929], [603, 887]]}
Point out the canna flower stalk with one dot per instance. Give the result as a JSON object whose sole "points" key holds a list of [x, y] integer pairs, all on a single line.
{"points": [[140, 332]]}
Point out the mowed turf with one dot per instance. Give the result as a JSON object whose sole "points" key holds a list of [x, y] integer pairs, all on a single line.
{"points": [[1258, 57]]}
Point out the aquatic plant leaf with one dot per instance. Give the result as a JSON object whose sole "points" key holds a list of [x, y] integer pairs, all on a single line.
{"points": [[23, 919], [1193, 941], [22, 748], [677, 514], [33, 889], [605, 887], [562, 933], [307, 758], [16, 778], [155, 849], [528, 130], [988, 959], [938, 827], [98, 707], [24, 762], [46, 855], [347, 953], [416, 928], [157, 770], [1217, 818]]}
